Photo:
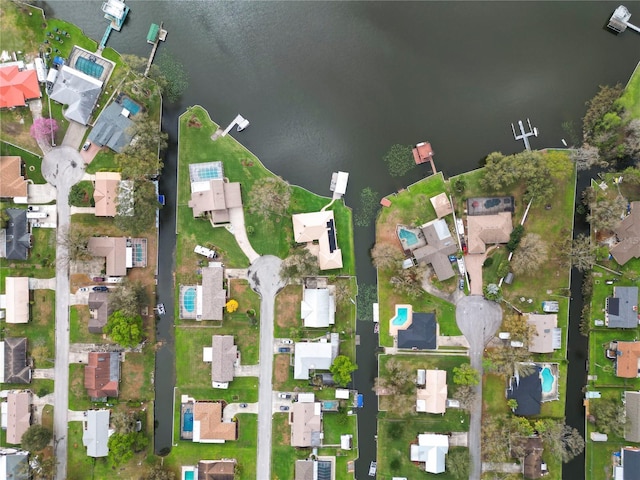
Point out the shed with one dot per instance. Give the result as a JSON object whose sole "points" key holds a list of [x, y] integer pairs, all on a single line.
{"points": [[152, 36]]}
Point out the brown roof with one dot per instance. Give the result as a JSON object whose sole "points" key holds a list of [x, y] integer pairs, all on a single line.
{"points": [[314, 226], [422, 152], [17, 299], [105, 193], [532, 461], [216, 469], [628, 359], [542, 339], [216, 197], [440, 244], [483, 230], [304, 470], [441, 205], [306, 424], [18, 415], [433, 397], [209, 417], [628, 232], [114, 249], [102, 374], [12, 182], [224, 354], [99, 311], [213, 295]]}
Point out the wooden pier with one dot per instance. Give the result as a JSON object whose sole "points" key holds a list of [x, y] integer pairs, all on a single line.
{"points": [[159, 34], [423, 153]]}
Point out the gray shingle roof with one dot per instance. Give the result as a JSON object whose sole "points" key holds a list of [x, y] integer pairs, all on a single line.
{"points": [[77, 90], [16, 367], [112, 129], [18, 238]]}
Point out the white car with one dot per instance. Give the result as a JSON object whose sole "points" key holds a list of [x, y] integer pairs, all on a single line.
{"points": [[287, 341], [83, 289], [372, 469], [86, 146]]}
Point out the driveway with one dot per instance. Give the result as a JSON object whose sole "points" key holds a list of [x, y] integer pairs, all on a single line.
{"points": [[264, 278], [39, 194], [42, 283], [479, 320], [236, 216], [246, 371], [474, 268], [232, 409]]}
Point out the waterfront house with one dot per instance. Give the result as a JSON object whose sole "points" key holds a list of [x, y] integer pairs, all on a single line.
{"points": [[431, 450], [102, 375], [318, 307], [13, 185], [526, 390], [306, 424], [314, 356], [105, 193], [629, 464], [16, 235], [420, 334], [318, 231], [439, 245], [18, 415], [315, 469], [14, 367], [632, 415], [120, 253], [78, 91], [487, 230], [223, 355], [14, 464], [621, 310], [96, 433], [211, 194], [433, 397], [113, 128], [99, 311], [16, 300], [627, 358], [627, 234], [547, 337], [529, 450], [18, 85], [208, 424]]}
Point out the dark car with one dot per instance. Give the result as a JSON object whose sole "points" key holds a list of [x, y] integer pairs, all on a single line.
{"points": [[243, 405], [100, 289], [284, 408], [98, 279], [461, 284], [284, 350]]}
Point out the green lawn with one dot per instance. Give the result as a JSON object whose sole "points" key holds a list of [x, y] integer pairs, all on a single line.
{"points": [[31, 160], [630, 99], [104, 161], [493, 395]]}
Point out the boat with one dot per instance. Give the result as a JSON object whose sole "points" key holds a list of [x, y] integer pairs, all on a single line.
{"points": [[242, 123]]}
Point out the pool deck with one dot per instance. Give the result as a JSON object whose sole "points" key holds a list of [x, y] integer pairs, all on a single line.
{"points": [[393, 329]]}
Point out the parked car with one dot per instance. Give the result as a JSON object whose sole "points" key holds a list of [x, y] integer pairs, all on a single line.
{"points": [[243, 405], [160, 308], [100, 288], [284, 408], [461, 284], [284, 395], [372, 469], [86, 146], [98, 279], [284, 350], [287, 341]]}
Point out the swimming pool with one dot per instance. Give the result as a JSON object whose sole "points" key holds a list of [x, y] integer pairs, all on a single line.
{"points": [[407, 237], [330, 405], [189, 475], [189, 300], [547, 380], [187, 424], [130, 105], [402, 314]]}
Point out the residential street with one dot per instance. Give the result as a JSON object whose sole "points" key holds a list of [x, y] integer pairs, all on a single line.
{"points": [[479, 320], [264, 278]]}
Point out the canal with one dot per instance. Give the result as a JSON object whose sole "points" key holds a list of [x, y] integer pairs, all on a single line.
{"points": [[332, 85]]}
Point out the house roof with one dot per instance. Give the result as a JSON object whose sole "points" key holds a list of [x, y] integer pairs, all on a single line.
{"points": [[441, 205], [17, 86], [12, 182], [224, 355], [320, 227], [318, 307], [431, 449], [632, 413], [215, 197], [99, 311], [114, 250], [305, 470], [17, 299], [433, 397], [113, 128], [440, 244], [18, 238], [631, 463], [77, 90], [628, 233], [483, 230], [14, 464], [102, 374], [14, 355], [213, 295], [532, 461], [527, 391], [216, 469], [105, 193], [311, 356], [547, 336], [95, 435], [208, 426], [628, 359], [306, 424], [621, 310], [421, 334], [18, 415], [422, 152]]}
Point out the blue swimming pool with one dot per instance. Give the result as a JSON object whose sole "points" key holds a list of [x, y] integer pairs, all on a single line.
{"points": [[189, 300], [130, 105], [408, 236], [547, 380], [189, 475], [330, 404], [187, 424], [401, 317]]}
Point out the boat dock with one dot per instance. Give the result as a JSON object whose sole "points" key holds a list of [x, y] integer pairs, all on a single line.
{"points": [[524, 136], [339, 184], [423, 153], [240, 121], [116, 12], [619, 21], [156, 35]]}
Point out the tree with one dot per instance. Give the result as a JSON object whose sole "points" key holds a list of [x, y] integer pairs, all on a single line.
{"points": [[269, 195], [385, 256], [157, 472], [127, 331], [497, 173], [466, 395], [632, 138], [515, 237], [531, 254], [135, 63], [43, 128], [368, 206], [121, 448], [409, 281], [561, 440], [140, 158], [493, 292], [175, 75], [465, 374], [458, 463], [128, 298], [503, 360], [606, 214], [588, 156], [342, 291], [459, 185], [512, 403], [396, 379], [36, 438], [123, 421], [76, 242], [231, 306], [518, 328], [583, 253], [494, 432], [341, 369], [601, 104], [299, 264], [608, 415], [43, 468], [399, 160], [142, 217]]}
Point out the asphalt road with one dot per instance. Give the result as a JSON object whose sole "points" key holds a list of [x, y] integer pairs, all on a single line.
{"points": [[62, 167], [264, 278], [479, 320]]}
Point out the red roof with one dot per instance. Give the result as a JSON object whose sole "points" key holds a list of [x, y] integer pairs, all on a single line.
{"points": [[16, 87], [423, 152], [385, 202], [99, 380]]}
